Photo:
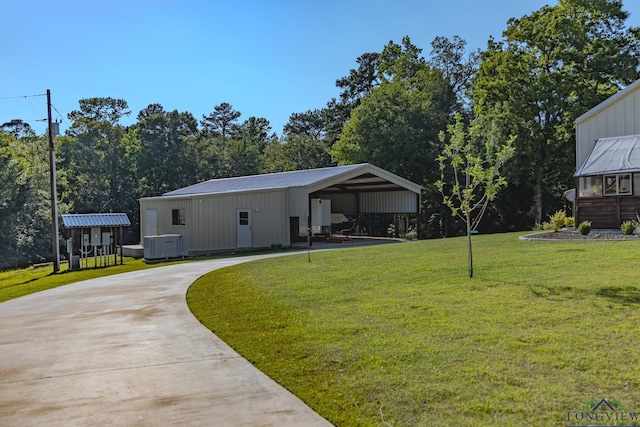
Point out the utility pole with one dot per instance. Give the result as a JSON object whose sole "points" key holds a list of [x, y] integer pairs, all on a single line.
{"points": [[54, 195]]}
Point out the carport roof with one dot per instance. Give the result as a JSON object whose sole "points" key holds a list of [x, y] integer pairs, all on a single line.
{"points": [[359, 177], [95, 220]]}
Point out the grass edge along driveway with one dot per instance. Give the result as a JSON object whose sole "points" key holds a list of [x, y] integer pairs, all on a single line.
{"points": [[398, 332], [19, 282]]}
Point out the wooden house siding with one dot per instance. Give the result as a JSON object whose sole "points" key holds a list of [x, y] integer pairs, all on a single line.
{"points": [[607, 212]]}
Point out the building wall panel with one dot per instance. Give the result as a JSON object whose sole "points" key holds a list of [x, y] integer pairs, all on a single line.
{"points": [[634, 117], [629, 114], [214, 220], [343, 203], [298, 202], [164, 220], [620, 118], [388, 202]]}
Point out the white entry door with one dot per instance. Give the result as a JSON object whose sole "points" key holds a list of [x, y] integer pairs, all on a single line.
{"points": [[243, 228], [150, 222]]}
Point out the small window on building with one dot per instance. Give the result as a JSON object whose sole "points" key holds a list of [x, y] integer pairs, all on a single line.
{"points": [[177, 217], [617, 184], [244, 218], [624, 183], [636, 184], [590, 186]]}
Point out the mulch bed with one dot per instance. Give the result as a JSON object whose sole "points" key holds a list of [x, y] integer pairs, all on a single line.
{"points": [[575, 235]]}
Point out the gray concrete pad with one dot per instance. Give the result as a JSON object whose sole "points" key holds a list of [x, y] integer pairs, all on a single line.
{"points": [[125, 350]]}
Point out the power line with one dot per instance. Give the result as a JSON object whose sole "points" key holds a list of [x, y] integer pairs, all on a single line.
{"points": [[60, 114], [34, 108], [23, 96], [26, 97]]}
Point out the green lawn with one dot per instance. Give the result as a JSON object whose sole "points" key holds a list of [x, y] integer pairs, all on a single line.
{"points": [[400, 332], [24, 281], [19, 282]]}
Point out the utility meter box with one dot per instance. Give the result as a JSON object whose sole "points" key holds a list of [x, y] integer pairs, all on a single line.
{"points": [[95, 236], [106, 238]]}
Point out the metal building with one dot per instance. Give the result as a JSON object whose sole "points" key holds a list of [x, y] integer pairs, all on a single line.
{"points": [[259, 211], [608, 183], [618, 115], [608, 161]]}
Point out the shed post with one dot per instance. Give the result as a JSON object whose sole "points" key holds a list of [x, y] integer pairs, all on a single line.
{"points": [[121, 246]]}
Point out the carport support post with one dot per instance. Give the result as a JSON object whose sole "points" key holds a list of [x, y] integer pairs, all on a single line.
{"points": [[309, 231], [418, 235]]}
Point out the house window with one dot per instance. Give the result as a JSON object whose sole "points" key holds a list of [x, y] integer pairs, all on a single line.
{"points": [[636, 184], [617, 184], [177, 217], [590, 186]]}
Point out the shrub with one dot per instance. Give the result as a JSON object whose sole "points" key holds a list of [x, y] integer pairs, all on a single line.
{"points": [[570, 222], [557, 220], [584, 228], [628, 227], [412, 234]]}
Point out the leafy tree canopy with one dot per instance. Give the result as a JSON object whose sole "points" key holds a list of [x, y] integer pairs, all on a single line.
{"points": [[552, 66]]}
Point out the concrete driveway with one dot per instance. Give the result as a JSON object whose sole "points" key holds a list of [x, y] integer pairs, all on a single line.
{"points": [[125, 350]]}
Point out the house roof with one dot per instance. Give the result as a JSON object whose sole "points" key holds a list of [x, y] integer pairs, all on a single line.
{"points": [[95, 220], [360, 177], [612, 155], [609, 101]]}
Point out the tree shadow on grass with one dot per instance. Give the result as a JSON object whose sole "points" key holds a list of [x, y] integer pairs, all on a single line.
{"points": [[21, 283], [629, 295], [556, 293]]}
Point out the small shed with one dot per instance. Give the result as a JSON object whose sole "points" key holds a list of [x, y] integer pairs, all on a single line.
{"points": [[260, 211], [96, 236], [608, 183]]}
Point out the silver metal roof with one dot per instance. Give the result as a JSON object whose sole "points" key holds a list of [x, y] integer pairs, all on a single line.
{"points": [[363, 177], [95, 220], [612, 155]]}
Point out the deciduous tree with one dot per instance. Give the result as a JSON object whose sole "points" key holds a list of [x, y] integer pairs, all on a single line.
{"points": [[396, 127], [473, 160], [552, 66], [297, 152], [457, 65], [95, 161], [25, 226]]}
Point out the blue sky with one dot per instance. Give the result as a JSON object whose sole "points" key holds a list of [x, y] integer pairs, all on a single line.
{"points": [[266, 58]]}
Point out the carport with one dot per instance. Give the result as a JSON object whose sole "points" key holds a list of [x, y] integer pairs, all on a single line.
{"points": [[260, 211]]}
